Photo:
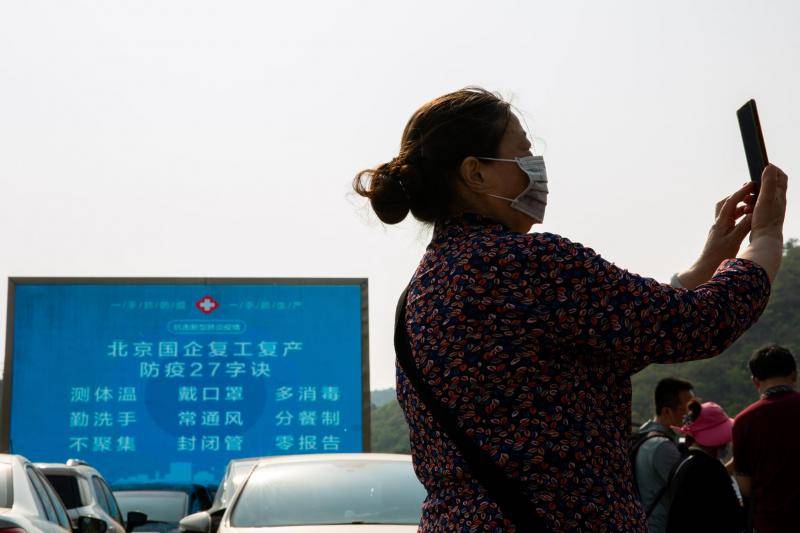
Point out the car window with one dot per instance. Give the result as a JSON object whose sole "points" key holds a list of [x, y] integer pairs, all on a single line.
{"points": [[158, 505], [219, 494], [115, 512], [204, 498], [6, 486], [58, 505], [102, 501], [36, 497], [194, 504], [67, 487], [372, 492], [47, 506]]}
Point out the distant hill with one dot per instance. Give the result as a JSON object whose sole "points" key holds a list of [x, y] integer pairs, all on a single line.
{"points": [[389, 429], [381, 397]]}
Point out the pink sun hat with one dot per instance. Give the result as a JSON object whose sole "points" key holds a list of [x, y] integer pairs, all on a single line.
{"points": [[712, 428]]}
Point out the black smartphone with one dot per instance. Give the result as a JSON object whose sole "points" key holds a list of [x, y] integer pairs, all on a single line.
{"points": [[753, 140]]}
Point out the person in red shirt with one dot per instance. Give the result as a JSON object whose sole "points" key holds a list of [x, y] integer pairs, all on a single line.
{"points": [[766, 437]]}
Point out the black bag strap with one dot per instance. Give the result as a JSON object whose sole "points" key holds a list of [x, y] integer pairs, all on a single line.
{"points": [[668, 486], [659, 495], [641, 439], [506, 491], [634, 452]]}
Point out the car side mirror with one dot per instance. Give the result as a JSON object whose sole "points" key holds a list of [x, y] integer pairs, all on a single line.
{"points": [[135, 519], [91, 524], [196, 523]]}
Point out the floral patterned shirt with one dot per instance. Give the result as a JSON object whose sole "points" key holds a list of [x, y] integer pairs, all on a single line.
{"points": [[529, 341]]}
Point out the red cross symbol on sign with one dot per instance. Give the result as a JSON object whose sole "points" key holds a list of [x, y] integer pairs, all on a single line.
{"points": [[207, 304]]}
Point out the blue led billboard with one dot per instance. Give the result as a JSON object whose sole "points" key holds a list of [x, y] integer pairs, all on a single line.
{"points": [[167, 380]]}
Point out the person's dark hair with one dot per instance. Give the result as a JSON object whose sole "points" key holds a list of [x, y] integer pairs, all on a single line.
{"points": [[668, 393], [437, 138], [772, 362], [694, 409]]}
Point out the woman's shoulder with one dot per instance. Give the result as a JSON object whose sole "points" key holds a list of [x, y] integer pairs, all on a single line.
{"points": [[529, 242], [542, 246], [510, 251]]}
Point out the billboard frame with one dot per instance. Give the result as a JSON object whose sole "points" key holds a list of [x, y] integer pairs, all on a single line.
{"points": [[13, 282]]}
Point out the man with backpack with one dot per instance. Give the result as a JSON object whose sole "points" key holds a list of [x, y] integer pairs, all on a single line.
{"points": [[654, 450]]}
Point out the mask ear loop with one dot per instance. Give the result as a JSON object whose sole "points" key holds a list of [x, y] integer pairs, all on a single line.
{"points": [[497, 159]]}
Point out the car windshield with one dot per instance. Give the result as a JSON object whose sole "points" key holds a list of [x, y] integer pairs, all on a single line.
{"points": [[334, 492], [67, 487], [159, 506]]}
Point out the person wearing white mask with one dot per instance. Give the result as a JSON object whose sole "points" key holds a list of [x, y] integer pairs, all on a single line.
{"points": [[533, 200], [515, 349]]}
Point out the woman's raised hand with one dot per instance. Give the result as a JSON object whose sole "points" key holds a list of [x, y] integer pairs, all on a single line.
{"points": [[770, 208], [732, 223], [766, 239]]}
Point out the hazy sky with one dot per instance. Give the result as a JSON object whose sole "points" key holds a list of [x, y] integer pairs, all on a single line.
{"points": [[197, 138]]}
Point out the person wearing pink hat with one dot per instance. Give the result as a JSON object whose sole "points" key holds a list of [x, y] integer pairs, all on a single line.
{"points": [[709, 426], [703, 497]]}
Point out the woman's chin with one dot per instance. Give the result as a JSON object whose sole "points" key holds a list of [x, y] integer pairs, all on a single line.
{"points": [[525, 224]]}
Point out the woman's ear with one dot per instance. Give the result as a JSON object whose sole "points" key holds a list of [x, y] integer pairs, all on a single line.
{"points": [[471, 171]]}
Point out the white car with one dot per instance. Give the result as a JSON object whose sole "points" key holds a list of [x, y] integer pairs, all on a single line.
{"points": [[323, 493], [28, 503], [85, 493]]}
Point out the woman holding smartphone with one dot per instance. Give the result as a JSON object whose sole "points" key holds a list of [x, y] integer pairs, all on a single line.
{"points": [[527, 340]]}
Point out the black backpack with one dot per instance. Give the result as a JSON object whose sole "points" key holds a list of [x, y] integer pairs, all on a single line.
{"points": [[733, 519], [635, 441]]}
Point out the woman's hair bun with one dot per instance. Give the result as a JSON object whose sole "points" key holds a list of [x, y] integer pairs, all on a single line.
{"points": [[388, 188], [438, 137]]}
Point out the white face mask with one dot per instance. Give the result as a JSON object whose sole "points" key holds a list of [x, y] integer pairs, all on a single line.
{"points": [[533, 200]]}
